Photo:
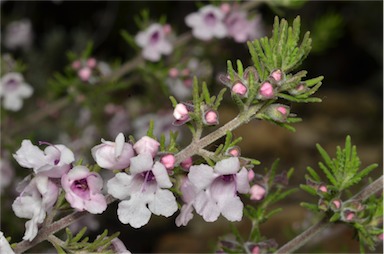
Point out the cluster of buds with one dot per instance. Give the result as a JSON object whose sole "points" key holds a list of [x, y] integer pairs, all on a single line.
{"points": [[182, 114], [88, 70], [239, 84]]}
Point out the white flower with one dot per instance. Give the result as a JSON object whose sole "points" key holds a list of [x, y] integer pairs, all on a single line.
{"points": [[189, 192], [37, 198], [147, 145], [13, 89], [53, 162], [143, 192], [113, 155], [217, 189], [83, 190], [5, 248], [207, 23], [18, 34], [154, 42]]}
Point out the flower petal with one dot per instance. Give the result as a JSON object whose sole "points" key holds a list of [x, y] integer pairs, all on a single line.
{"points": [[134, 211], [161, 175], [232, 208], [185, 215], [119, 186], [119, 144], [206, 207], [163, 203], [242, 182], [201, 176], [141, 163], [228, 166]]}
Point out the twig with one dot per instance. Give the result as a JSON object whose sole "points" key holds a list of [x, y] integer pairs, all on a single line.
{"points": [[308, 234]]}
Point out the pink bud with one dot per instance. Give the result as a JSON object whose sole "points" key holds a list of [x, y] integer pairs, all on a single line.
{"points": [[76, 65], [211, 118], [282, 110], [168, 161], [188, 82], [381, 237], [251, 175], [225, 8], [186, 164], [85, 73], [277, 75], [336, 203], [266, 90], [91, 62], [323, 188], [257, 192], [350, 216], [146, 145], [180, 112], [173, 72], [234, 151], [239, 89], [167, 29]]}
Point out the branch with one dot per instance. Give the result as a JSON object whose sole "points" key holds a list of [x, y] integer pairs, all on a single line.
{"points": [[311, 232], [46, 231]]}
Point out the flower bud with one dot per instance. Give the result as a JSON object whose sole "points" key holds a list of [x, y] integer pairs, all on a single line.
{"points": [[323, 205], [91, 63], [278, 112], [322, 188], [336, 204], [211, 117], [348, 215], [167, 29], [277, 75], [225, 8], [239, 89], [76, 65], [85, 73], [180, 112], [146, 145], [251, 175], [256, 250], [233, 151], [173, 72], [186, 164], [168, 161], [266, 91], [299, 89], [257, 192]]}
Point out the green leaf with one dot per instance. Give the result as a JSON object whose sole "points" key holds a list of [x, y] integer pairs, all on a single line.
{"points": [[329, 175], [207, 96], [313, 174], [325, 157], [173, 100], [240, 69], [79, 235], [308, 189], [311, 207]]}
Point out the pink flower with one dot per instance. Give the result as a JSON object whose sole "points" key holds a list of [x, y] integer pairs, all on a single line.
{"points": [[257, 192], [91, 62], [143, 192], [147, 145], [53, 162], [242, 29], [154, 42], [83, 190], [13, 89], [234, 151], [217, 189], [37, 198], [113, 155], [207, 23]]}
